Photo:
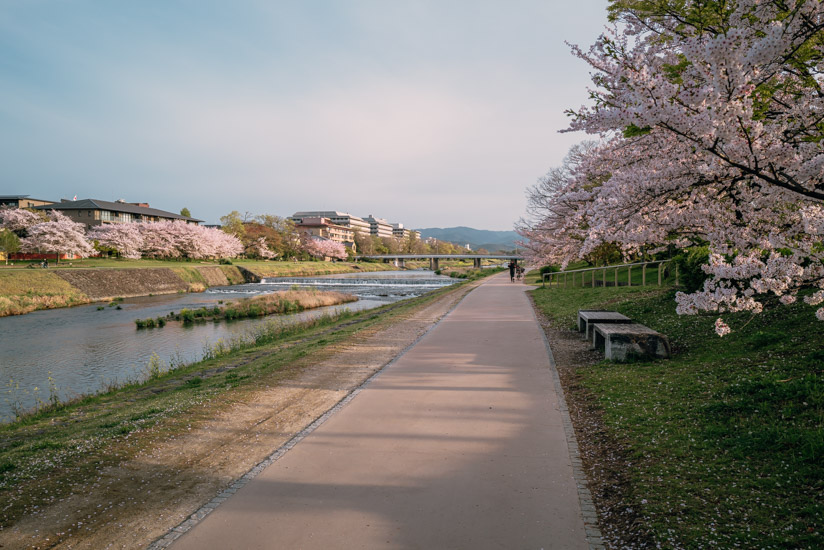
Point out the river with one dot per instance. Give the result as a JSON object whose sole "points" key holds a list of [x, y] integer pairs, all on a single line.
{"points": [[83, 349]]}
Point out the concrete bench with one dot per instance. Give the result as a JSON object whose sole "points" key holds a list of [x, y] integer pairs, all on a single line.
{"points": [[622, 341], [588, 317]]}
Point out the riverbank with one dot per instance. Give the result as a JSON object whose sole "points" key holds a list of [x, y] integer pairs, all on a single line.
{"points": [[129, 465], [23, 290], [720, 445]]}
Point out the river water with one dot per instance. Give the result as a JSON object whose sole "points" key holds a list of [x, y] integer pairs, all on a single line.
{"points": [[83, 349]]}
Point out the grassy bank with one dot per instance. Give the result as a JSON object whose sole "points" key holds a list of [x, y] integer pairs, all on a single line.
{"points": [[722, 445], [50, 454], [29, 290]]}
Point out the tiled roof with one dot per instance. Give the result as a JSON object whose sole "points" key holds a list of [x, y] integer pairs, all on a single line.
{"points": [[96, 204]]}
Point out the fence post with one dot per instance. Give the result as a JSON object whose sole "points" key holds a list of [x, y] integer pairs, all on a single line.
{"points": [[660, 266], [616, 277], [592, 275], [644, 274], [604, 276], [676, 275], [629, 276]]}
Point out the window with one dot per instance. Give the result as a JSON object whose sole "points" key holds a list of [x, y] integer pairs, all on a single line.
{"points": [[107, 216]]}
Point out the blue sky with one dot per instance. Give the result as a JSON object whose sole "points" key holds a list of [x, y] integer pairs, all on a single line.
{"points": [[429, 113]]}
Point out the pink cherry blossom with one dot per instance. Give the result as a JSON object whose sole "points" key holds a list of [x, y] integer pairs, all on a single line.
{"points": [[126, 238], [60, 235], [19, 219], [708, 135]]}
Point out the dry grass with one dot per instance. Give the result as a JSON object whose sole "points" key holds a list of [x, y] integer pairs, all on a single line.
{"points": [[286, 301], [30, 290], [308, 299]]}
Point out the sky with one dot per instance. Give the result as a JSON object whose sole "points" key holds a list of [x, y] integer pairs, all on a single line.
{"points": [[428, 113]]}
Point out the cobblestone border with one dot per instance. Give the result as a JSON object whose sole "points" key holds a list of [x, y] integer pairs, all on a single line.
{"points": [[178, 531], [588, 511]]}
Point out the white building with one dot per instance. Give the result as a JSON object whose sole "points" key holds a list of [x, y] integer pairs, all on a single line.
{"points": [[378, 226]]}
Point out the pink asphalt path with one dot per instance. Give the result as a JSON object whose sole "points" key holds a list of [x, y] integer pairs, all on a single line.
{"points": [[457, 444]]}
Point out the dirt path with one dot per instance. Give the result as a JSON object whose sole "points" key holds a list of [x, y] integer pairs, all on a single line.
{"points": [[133, 504]]}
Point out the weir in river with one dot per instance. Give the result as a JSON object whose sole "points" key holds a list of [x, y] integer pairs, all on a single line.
{"points": [[83, 349]]}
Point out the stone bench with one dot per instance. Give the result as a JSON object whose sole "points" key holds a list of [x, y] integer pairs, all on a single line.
{"points": [[623, 341], [588, 317]]}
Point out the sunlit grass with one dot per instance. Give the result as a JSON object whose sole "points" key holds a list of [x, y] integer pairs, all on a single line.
{"points": [[724, 441]]}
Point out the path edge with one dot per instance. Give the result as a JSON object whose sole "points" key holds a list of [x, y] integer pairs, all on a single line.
{"points": [[588, 511]]}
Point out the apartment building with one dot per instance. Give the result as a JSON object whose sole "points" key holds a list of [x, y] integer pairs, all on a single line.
{"points": [[338, 218], [400, 232], [378, 227], [324, 228]]}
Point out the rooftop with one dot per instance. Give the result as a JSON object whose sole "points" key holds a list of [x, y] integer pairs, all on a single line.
{"points": [[129, 208]]}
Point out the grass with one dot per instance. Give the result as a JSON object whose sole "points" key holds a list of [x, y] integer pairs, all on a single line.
{"points": [[29, 290], [724, 442], [44, 455], [275, 303]]}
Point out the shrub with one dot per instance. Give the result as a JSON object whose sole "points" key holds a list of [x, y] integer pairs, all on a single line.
{"points": [[187, 316], [689, 263], [549, 269]]}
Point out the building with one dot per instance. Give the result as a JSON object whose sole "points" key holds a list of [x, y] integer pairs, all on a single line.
{"points": [[378, 227], [93, 212], [338, 218], [325, 229], [400, 232], [22, 201]]}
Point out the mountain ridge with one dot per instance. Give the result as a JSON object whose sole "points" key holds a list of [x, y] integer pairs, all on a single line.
{"points": [[475, 238]]}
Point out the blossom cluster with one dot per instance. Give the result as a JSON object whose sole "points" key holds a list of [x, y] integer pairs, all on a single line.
{"points": [[165, 239], [324, 248], [710, 134]]}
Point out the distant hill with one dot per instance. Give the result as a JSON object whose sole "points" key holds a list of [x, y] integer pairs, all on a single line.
{"points": [[476, 238]]}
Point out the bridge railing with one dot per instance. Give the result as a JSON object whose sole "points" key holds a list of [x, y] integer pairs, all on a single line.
{"points": [[597, 276]]}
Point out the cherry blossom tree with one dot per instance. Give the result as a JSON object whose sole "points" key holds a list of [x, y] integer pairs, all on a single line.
{"points": [[158, 240], [712, 119], [18, 220], [324, 248], [59, 236], [126, 238], [260, 249], [176, 239]]}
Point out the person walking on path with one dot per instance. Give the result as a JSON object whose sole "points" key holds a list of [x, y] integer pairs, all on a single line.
{"points": [[459, 443], [512, 270]]}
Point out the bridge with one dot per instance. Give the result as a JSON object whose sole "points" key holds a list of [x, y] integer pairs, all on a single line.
{"points": [[400, 259]]}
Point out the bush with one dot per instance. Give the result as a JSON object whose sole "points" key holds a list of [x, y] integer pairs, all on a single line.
{"points": [[549, 269], [689, 263], [187, 316], [224, 261]]}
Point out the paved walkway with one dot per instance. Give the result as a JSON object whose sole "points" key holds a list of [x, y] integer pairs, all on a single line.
{"points": [[458, 444]]}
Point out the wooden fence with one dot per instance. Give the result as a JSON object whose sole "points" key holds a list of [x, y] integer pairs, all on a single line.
{"points": [[597, 276]]}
